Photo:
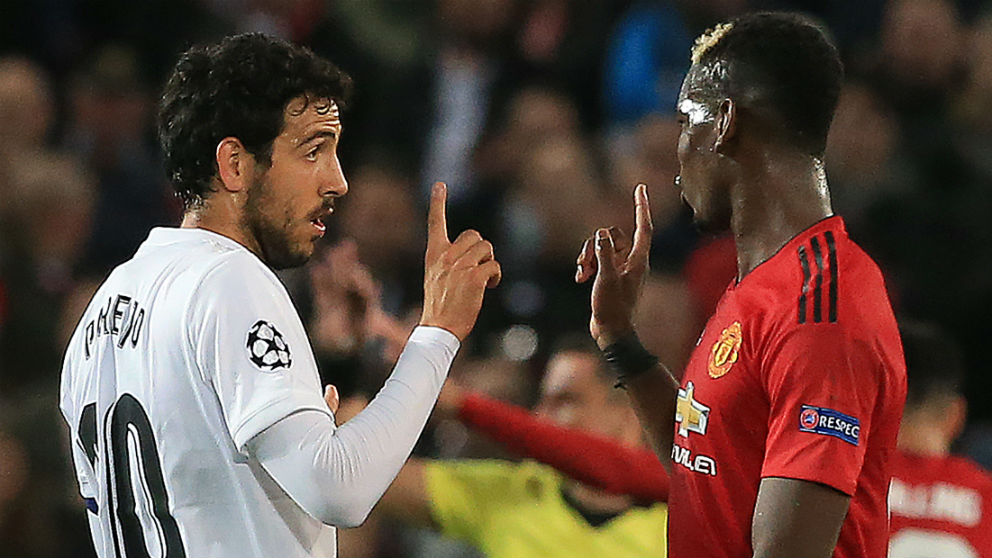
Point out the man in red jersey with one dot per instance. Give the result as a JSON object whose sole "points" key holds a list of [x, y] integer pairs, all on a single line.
{"points": [[781, 430], [940, 504]]}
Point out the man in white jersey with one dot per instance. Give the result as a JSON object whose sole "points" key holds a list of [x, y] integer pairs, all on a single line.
{"points": [[197, 420]]}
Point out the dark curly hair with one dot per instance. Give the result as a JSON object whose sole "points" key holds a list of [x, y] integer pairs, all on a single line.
{"points": [[239, 88], [782, 63]]}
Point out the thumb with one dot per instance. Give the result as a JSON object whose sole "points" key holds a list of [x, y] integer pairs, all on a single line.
{"points": [[606, 255]]}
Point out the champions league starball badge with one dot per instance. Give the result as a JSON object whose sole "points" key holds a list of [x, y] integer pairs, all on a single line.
{"points": [[266, 347]]}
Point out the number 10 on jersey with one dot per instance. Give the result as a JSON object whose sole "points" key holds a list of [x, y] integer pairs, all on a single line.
{"points": [[134, 488]]}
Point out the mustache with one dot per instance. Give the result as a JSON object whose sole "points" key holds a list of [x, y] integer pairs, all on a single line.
{"points": [[326, 207]]}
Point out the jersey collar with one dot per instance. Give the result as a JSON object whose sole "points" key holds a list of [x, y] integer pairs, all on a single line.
{"points": [[831, 223], [163, 236]]}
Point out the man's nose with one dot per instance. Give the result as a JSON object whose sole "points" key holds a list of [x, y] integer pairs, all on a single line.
{"points": [[334, 183]]}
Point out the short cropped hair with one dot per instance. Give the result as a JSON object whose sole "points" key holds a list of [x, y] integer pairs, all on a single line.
{"points": [[239, 87], [780, 62], [934, 363]]}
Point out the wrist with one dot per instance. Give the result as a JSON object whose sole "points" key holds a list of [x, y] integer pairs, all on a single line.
{"points": [[628, 357], [607, 335]]}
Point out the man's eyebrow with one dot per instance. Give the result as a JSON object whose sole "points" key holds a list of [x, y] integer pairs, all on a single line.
{"points": [[321, 134]]}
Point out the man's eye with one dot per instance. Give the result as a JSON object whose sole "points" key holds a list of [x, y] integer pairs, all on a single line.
{"points": [[312, 154]]}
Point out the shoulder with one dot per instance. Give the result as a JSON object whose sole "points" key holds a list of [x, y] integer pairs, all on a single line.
{"points": [[823, 286], [236, 277], [236, 267]]}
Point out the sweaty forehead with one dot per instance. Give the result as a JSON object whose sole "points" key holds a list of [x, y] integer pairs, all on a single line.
{"points": [[304, 116], [705, 80]]}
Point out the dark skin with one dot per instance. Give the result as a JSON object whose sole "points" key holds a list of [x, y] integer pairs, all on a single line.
{"points": [[735, 175]]}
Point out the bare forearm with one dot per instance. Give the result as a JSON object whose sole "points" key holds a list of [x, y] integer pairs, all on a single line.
{"points": [[797, 518], [653, 395]]}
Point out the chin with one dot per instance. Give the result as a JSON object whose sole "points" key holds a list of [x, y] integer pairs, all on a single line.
{"points": [[288, 258], [709, 225]]}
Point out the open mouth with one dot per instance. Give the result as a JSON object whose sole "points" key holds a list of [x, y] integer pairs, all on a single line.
{"points": [[318, 220]]}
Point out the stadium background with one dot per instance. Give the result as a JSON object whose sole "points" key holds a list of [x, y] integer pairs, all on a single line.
{"points": [[541, 115]]}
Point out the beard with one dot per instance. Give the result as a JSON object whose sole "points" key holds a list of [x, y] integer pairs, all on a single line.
{"points": [[713, 217], [711, 225], [271, 232]]}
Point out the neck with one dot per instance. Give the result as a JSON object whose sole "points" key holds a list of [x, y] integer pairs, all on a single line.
{"points": [[212, 217], [777, 198]]}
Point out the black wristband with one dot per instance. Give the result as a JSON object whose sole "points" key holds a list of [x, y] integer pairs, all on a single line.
{"points": [[628, 358]]}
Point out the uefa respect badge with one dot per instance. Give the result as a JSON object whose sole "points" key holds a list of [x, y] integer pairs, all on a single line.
{"points": [[829, 422]]}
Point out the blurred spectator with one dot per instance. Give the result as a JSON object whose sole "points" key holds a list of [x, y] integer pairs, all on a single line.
{"points": [[920, 60], [860, 153], [287, 19], [973, 106], [109, 128], [665, 319], [381, 215], [646, 153], [646, 61], [26, 107], [47, 218], [533, 116], [939, 503], [469, 60]]}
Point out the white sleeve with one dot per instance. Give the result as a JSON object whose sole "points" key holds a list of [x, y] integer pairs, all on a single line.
{"points": [[338, 474], [250, 346]]}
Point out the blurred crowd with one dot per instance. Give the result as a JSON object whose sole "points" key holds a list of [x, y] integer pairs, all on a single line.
{"points": [[541, 115]]}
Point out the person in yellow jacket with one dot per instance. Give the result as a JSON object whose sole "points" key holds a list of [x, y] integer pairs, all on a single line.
{"points": [[507, 509]]}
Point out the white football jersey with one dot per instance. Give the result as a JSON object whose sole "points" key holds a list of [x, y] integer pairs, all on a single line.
{"points": [[184, 354]]}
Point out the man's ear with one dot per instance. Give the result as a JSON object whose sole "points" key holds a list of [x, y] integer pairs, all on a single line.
{"points": [[726, 125], [233, 164]]}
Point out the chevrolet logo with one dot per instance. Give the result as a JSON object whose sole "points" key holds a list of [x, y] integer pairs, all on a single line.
{"points": [[691, 415]]}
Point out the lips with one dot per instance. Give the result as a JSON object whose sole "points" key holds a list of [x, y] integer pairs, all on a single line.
{"points": [[318, 219]]}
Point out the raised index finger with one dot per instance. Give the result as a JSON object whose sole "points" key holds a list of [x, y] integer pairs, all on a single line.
{"points": [[437, 220], [643, 227]]}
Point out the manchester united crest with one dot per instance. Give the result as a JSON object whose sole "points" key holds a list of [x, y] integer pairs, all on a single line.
{"points": [[724, 353]]}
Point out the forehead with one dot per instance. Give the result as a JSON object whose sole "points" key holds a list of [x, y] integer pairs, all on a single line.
{"points": [[303, 116], [568, 371], [705, 80], [690, 84]]}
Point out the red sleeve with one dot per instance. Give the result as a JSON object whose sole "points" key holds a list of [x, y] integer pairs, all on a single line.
{"points": [[591, 459], [822, 383]]}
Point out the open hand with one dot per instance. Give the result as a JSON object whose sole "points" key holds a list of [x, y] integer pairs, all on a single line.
{"points": [[619, 268]]}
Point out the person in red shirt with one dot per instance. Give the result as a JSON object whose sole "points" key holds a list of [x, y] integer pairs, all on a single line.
{"points": [[780, 431], [940, 504]]}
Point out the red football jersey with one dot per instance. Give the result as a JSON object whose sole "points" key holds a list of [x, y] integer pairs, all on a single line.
{"points": [[798, 374], [939, 506]]}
